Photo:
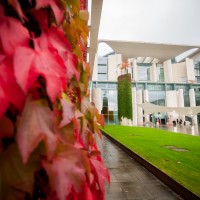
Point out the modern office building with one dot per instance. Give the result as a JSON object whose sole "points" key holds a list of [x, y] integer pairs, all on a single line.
{"points": [[156, 78]]}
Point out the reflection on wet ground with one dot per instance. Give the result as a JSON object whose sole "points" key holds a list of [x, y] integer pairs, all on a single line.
{"points": [[186, 129], [130, 180]]}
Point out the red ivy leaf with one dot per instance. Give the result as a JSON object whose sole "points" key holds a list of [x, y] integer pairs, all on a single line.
{"points": [[35, 125], [23, 60], [41, 17], [9, 37], [71, 63], [59, 13], [101, 173], [68, 111], [17, 7], [69, 170], [3, 102], [29, 64], [12, 91], [58, 39]]}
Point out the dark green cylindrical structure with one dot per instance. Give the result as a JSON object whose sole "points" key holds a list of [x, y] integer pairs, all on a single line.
{"points": [[124, 97]]}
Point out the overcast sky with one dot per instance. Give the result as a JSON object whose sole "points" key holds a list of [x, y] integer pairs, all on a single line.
{"points": [[157, 21]]}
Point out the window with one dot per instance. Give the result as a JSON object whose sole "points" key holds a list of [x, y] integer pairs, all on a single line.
{"points": [[102, 85], [102, 77], [186, 99], [112, 86], [198, 79], [170, 87], [197, 72], [143, 73], [160, 74], [197, 69], [102, 69], [157, 97], [156, 87]]}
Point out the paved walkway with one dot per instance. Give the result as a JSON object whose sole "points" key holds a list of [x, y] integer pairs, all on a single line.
{"points": [[130, 180], [190, 130]]}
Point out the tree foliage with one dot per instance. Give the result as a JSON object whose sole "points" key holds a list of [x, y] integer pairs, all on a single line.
{"points": [[47, 124]]}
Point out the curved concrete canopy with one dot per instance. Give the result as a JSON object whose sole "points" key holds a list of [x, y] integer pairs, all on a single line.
{"points": [[162, 52]]}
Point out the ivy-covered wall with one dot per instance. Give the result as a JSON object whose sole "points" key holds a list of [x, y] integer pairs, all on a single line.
{"points": [[124, 97]]}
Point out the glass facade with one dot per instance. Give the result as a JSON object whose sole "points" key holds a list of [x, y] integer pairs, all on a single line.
{"points": [[157, 91], [102, 77], [160, 73], [109, 92], [197, 72], [157, 95], [144, 73], [102, 69]]}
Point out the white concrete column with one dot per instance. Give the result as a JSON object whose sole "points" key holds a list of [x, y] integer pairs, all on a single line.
{"points": [[139, 109], [153, 73], [96, 98], [192, 104], [113, 64], [180, 102], [168, 71], [95, 69], [135, 70], [190, 70], [146, 99], [134, 106], [171, 98]]}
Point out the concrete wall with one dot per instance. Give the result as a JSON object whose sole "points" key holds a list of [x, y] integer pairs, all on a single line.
{"points": [[134, 106], [113, 62], [179, 72], [190, 70], [168, 73], [180, 102], [139, 109], [153, 73], [146, 99], [171, 100]]}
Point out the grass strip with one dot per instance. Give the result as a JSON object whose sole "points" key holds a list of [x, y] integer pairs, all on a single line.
{"points": [[159, 148]]}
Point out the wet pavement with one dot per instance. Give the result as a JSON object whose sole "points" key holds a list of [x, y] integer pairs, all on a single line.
{"points": [[186, 129], [129, 179]]}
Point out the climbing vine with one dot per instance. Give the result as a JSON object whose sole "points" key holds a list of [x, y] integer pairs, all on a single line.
{"points": [[47, 124]]}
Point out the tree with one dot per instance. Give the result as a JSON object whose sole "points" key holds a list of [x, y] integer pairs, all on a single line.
{"points": [[47, 124]]}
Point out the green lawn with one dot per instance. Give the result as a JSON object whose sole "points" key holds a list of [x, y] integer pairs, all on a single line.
{"points": [[184, 167]]}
